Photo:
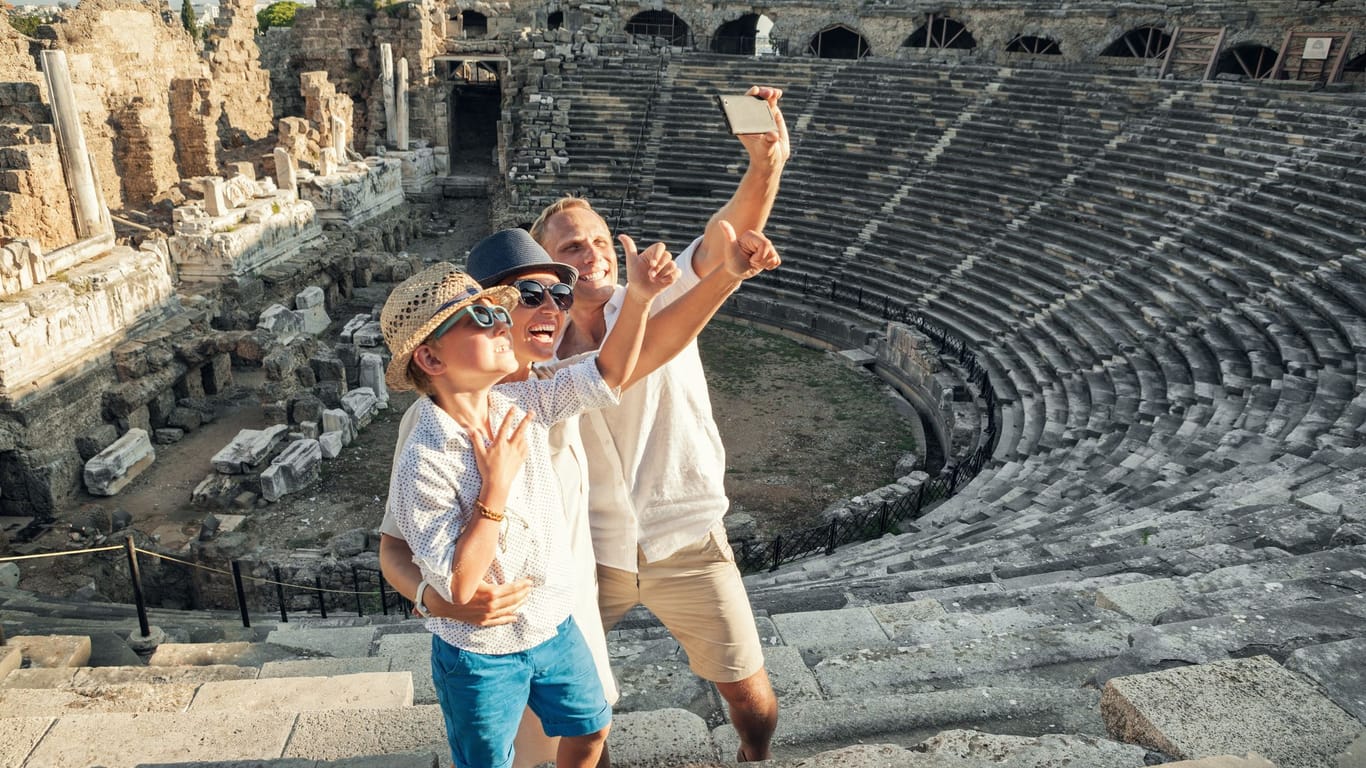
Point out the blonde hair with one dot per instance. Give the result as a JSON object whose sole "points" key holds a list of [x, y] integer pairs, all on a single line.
{"points": [[551, 211]]}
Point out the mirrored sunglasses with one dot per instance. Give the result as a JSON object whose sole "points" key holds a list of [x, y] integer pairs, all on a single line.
{"points": [[533, 293], [483, 316]]}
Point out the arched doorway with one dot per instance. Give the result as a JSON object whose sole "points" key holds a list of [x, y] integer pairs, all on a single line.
{"points": [[839, 42], [1038, 46], [749, 35], [474, 107], [1354, 71], [941, 32], [1250, 60], [473, 25], [1140, 43], [665, 24], [555, 20]]}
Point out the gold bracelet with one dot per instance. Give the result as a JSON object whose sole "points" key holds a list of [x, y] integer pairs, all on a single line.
{"points": [[484, 511]]}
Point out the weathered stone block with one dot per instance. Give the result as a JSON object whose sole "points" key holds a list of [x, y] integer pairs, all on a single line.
{"points": [[306, 408], [96, 440], [357, 322], [280, 320], [1228, 707], [116, 466], [331, 444], [250, 448], [218, 373], [168, 435], [310, 306], [327, 366], [279, 364], [372, 377], [369, 335], [296, 468], [362, 404], [187, 419], [339, 421]]}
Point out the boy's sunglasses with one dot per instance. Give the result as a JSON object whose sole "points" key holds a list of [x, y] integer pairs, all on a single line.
{"points": [[483, 316], [533, 293]]}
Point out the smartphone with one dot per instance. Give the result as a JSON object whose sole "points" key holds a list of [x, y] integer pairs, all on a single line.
{"points": [[746, 114]]}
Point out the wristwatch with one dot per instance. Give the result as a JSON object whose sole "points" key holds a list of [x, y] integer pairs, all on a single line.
{"points": [[419, 607]]}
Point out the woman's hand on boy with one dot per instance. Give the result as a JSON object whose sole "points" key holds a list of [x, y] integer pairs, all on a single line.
{"points": [[492, 605], [648, 272]]}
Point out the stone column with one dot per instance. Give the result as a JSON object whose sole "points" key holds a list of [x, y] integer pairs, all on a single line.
{"points": [[327, 161], [386, 80], [339, 137], [91, 219], [286, 178], [214, 201], [401, 107]]}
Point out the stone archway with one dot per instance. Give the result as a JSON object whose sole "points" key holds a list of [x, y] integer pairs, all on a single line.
{"points": [[839, 42], [1251, 60], [663, 24], [1140, 43]]}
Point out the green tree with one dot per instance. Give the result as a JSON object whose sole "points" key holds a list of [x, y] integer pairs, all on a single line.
{"points": [[187, 18], [277, 14], [27, 24]]}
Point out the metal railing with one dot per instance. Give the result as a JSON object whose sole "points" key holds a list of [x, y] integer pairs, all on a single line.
{"points": [[362, 578]]}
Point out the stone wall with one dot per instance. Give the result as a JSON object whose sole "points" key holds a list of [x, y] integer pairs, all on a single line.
{"points": [[242, 84]]}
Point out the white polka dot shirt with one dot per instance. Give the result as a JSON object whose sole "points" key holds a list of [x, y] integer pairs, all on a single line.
{"points": [[436, 481]]}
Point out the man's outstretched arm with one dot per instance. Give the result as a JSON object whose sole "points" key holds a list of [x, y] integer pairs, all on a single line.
{"points": [[750, 205]]}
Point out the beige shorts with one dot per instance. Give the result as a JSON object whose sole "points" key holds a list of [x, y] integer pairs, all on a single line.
{"points": [[698, 595]]}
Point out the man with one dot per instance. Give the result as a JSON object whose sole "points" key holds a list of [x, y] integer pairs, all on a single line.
{"points": [[656, 463]]}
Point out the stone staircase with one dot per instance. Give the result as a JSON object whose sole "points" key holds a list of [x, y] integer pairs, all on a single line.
{"points": [[962, 665]]}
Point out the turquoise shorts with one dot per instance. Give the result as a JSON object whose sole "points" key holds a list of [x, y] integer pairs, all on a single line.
{"points": [[482, 696]]}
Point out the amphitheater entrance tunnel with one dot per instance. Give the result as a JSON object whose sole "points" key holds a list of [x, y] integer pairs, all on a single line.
{"points": [[839, 42], [662, 24], [474, 107], [749, 35]]}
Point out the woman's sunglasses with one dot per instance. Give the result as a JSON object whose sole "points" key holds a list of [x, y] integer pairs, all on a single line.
{"points": [[483, 316], [533, 293]]}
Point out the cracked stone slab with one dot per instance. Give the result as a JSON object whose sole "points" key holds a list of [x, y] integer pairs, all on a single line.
{"points": [[1339, 669], [128, 740], [1034, 751], [660, 739], [1229, 707], [1142, 601], [843, 628]]}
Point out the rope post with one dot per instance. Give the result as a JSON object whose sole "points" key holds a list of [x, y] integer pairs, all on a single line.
{"points": [[777, 552], [355, 588], [830, 539], [280, 593], [383, 597], [322, 604], [241, 593], [136, 575]]}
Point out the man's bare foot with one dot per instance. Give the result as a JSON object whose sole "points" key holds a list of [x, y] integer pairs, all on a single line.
{"points": [[741, 757]]}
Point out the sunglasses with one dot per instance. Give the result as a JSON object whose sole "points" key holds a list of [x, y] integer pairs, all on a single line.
{"points": [[533, 293], [483, 316]]}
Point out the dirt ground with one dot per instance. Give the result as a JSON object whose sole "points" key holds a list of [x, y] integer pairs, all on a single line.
{"points": [[801, 431]]}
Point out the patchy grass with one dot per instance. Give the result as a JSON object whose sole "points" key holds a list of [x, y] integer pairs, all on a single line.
{"points": [[801, 430]]}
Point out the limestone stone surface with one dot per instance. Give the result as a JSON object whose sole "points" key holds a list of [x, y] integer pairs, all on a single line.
{"points": [[250, 448], [38, 677], [10, 659], [53, 650], [331, 641], [1034, 751], [331, 444], [339, 421], [376, 690], [335, 734], [123, 740], [660, 738], [9, 576], [91, 676], [411, 652], [116, 466], [898, 619], [1142, 601], [792, 680], [1339, 669], [246, 242], [1250, 760], [1229, 707], [324, 667], [843, 628], [19, 736], [128, 697], [297, 467], [356, 192]]}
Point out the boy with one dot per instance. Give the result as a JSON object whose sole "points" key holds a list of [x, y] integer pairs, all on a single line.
{"points": [[474, 496]]}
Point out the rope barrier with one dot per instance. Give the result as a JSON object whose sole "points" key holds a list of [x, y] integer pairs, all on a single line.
{"points": [[257, 579], [59, 554]]}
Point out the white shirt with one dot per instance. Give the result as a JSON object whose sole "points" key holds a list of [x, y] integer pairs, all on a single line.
{"points": [[656, 466], [435, 482]]}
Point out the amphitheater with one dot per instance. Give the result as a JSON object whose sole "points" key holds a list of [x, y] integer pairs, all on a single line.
{"points": [[1113, 254]]}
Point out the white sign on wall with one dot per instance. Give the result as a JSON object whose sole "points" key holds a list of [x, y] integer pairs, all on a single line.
{"points": [[1316, 48]]}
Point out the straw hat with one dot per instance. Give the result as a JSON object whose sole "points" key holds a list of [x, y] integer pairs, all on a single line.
{"points": [[422, 303]]}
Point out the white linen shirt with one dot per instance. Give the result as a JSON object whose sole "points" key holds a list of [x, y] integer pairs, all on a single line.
{"points": [[656, 466], [436, 481]]}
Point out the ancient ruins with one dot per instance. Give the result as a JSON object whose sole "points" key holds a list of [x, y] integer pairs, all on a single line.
{"points": [[1112, 255]]}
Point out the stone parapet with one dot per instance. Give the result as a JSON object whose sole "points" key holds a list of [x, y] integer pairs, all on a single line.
{"points": [[55, 325], [419, 169], [357, 192]]}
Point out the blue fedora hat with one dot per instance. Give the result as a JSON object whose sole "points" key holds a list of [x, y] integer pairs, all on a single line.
{"points": [[511, 252]]}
